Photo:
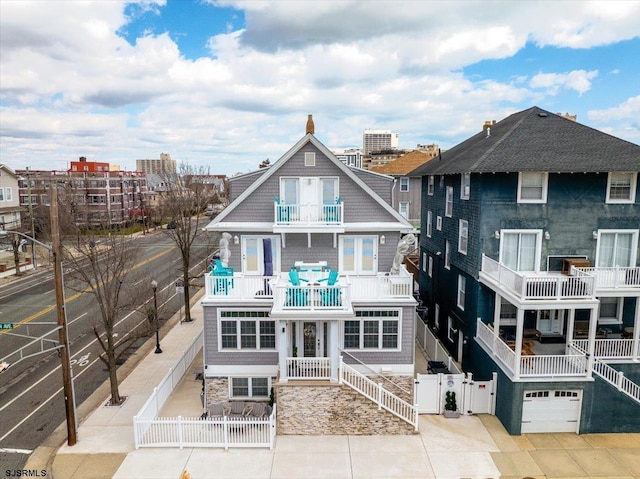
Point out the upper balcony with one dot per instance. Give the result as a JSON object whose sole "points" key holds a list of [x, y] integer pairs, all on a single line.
{"points": [[544, 286], [308, 217], [618, 279], [310, 297]]}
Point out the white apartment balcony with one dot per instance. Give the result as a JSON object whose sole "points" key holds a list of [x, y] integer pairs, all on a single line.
{"points": [[621, 281], [571, 363], [311, 297], [327, 218], [543, 286]]}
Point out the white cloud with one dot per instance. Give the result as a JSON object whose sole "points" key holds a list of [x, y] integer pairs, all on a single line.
{"points": [[75, 87], [578, 80]]}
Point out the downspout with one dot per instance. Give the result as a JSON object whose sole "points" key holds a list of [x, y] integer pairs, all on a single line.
{"points": [[393, 192]]}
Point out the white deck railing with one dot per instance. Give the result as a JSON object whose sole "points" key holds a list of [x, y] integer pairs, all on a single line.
{"points": [[382, 285], [311, 297], [239, 286], [378, 394], [617, 379], [613, 278], [542, 286], [309, 214], [308, 368], [209, 432], [608, 348], [539, 365]]}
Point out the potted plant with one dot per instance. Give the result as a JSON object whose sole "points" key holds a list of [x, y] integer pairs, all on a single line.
{"points": [[450, 405]]}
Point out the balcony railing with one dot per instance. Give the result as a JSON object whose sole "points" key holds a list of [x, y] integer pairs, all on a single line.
{"points": [[536, 365], [613, 278], [308, 368], [541, 286], [309, 214], [609, 349], [311, 296]]}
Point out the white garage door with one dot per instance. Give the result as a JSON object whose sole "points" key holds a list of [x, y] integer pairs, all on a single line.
{"points": [[551, 411]]}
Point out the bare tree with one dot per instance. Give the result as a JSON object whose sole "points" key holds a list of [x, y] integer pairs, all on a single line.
{"points": [[99, 262], [187, 195]]}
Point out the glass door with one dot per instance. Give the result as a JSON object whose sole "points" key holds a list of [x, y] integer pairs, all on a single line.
{"points": [[313, 339]]}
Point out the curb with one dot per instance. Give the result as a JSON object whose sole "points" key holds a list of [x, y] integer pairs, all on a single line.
{"points": [[42, 458]]}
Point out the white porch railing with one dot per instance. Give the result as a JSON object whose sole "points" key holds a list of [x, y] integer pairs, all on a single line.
{"points": [[613, 278], [308, 368], [238, 286], [539, 286], [378, 394], [198, 432], [383, 285], [608, 348], [539, 365], [617, 379], [309, 214]]}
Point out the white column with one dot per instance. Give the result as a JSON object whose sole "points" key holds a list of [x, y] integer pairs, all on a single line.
{"points": [[283, 348], [570, 325], [593, 326], [635, 354], [496, 320], [334, 354], [518, 346]]}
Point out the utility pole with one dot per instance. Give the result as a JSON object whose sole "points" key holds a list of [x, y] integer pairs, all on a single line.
{"points": [[69, 399], [33, 230]]}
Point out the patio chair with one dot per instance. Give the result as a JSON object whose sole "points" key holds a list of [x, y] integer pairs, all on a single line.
{"points": [[216, 411], [331, 279], [218, 269], [331, 296], [258, 410], [239, 409], [297, 296]]}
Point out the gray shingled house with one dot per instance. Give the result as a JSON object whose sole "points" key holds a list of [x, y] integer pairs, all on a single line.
{"points": [[530, 268], [303, 299]]}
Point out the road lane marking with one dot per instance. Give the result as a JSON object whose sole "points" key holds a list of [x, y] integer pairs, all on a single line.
{"points": [[75, 296]]}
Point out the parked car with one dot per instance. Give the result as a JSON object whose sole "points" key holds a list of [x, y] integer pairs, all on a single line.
{"points": [[171, 225]]}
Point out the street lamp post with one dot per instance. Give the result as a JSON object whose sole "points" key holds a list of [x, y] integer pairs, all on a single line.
{"points": [[154, 287]]}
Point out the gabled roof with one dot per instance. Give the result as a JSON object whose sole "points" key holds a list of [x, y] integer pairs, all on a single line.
{"points": [[537, 140], [405, 164], [272, 170]]}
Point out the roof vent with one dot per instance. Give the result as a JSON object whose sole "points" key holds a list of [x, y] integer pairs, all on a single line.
{"points": [[542, 115], [488, 132]]}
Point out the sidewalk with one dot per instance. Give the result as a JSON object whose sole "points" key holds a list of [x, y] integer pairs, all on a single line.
{"points": [[469, 447]]}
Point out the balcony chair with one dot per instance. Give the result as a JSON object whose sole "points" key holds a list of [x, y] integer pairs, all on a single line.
{"points": [[223, 277], [297, 296], [331, 296], [218, 269]]}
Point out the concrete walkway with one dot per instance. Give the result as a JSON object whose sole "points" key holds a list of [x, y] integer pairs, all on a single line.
{"points": [[469, 447]]}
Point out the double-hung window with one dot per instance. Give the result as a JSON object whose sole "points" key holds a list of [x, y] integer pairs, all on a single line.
{"points": [[463, 236], [532, 187], [448, 209], [373, 330], [429, 223], [462, 287], [430, 185], [621, 187], [249, 387], [465, 186], [447, 254], [247, 330], [404, 184]]}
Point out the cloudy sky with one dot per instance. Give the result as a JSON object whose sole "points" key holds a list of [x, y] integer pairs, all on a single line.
{"points": [[228, 83]]}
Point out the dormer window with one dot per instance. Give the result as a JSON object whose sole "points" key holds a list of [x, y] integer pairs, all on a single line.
{"points": [[532, 187], [310, 158], [621, 187]]}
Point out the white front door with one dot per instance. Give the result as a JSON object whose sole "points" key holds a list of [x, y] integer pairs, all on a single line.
{"points": [[358, 255], [550, 321]]}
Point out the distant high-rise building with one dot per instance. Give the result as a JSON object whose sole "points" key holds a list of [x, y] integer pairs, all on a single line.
{"points": [[350, 156], [164, 165], [377, 140]]}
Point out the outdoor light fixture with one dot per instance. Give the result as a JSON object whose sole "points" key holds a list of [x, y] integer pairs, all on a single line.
{"points": [[383, 240], [547, 235], [496, 234], [236, 240], [594, 234]]}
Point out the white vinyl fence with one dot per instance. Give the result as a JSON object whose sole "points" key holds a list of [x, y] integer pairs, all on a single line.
{"points": [[433, 347], [149, 430]]}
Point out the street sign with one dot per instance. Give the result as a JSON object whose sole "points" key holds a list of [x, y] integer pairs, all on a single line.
{"points": [[6, 325], [179, 286]]}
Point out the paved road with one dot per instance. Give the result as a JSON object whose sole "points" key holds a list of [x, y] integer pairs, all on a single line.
{"points": [[31, 401]]}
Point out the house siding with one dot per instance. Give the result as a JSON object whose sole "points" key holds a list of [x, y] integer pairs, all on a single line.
{"points": [[358, 205]]}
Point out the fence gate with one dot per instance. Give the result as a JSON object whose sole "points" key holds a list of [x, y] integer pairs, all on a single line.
{"points": [[472, 397]]}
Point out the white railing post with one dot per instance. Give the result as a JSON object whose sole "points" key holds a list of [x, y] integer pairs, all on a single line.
{"points": [[180, 437], [340, 370], [225, 432], [619, 380], [380, 396]]}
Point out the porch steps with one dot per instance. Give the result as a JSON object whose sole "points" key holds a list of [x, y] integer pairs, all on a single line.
{"points": [[324, 407], [617, 379]]}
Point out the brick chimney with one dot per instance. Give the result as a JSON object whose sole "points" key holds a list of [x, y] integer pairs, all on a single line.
{"points": [[310, 126], [488, 124]]}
